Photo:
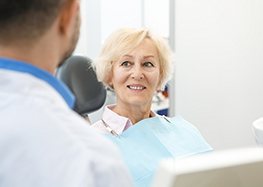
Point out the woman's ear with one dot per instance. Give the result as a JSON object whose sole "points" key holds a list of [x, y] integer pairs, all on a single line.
{"points": [[110, 84], [160, 88]]}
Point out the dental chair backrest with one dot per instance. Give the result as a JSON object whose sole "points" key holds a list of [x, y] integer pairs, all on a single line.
{"points": [[78, 74]]}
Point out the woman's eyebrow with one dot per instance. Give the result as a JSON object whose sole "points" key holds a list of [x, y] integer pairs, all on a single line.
{"points": [[143, 57], [127, 56], [149, 56]]}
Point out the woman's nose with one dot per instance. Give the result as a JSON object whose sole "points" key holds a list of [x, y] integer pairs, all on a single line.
{"points": [[137, 73]]}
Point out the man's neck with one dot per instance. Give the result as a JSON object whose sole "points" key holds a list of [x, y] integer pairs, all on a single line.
{"points": [[41, 58]]}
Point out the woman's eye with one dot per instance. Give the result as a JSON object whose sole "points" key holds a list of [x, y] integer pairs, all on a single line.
{"points": [[126, 64], [148, 64]]}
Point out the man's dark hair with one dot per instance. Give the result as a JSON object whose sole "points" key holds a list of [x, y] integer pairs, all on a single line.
{"points": [[27, 19]]}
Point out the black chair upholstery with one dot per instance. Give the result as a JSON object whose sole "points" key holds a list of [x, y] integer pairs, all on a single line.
{"points": [[81, 79]]}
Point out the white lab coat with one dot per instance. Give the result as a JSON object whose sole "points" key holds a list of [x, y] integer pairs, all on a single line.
{"points": [[43, 143]]}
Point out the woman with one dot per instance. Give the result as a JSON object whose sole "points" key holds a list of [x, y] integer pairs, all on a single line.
{"points": [[136, 64]]}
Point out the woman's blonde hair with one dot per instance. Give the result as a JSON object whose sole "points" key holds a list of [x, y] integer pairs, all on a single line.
{"points": [[123, 41]]}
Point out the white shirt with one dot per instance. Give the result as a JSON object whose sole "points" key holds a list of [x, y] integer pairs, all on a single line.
{"points": [[111, 121], [43, 143]]}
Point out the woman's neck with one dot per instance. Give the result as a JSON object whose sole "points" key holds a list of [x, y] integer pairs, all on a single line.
{"points": [[134, 113]]}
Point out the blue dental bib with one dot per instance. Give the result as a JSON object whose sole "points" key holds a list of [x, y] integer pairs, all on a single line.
{"points": [[147, 142]]}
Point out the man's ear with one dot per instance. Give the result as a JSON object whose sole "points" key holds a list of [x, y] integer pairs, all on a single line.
{"points": [[68, 15]]}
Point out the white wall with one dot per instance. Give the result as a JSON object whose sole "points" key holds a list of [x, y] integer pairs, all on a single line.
{"points": [[156, 16], [119, 13], [90, 32], [219, 68]]}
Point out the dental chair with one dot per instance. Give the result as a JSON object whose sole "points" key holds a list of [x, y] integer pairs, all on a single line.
{"points": [[81, 79]]}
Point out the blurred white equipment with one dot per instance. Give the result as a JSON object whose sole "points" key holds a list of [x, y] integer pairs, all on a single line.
{"points": [[258, 130], [231, 168]]}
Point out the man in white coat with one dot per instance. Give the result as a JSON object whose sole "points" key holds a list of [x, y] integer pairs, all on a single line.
{"points": [[43, 143]]}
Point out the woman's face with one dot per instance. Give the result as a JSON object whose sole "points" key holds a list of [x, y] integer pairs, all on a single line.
{"points": [[135, 76]]}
